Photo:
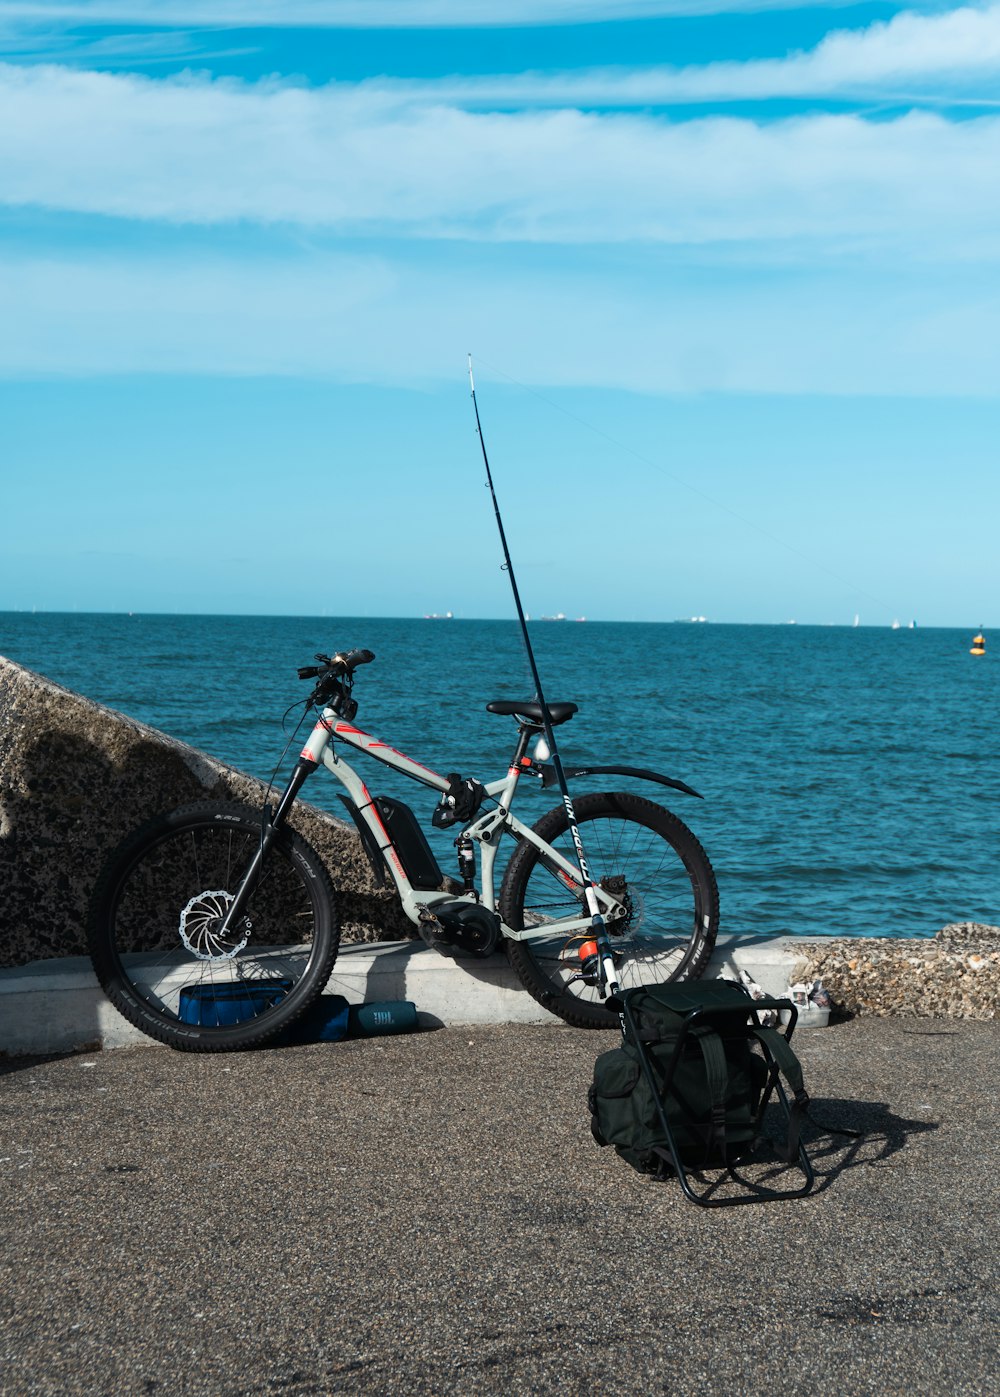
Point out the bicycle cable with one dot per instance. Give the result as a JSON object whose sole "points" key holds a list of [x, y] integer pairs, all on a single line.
{"points": [[306, 705]]}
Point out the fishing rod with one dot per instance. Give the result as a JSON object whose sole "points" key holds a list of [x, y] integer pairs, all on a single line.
{"points": [[608, 974]]}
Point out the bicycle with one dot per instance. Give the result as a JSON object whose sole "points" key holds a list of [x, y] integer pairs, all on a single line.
{"points": [[213, 927]]}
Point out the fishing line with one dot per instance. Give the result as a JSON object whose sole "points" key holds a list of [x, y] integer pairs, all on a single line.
{"points": [[693, 489]]}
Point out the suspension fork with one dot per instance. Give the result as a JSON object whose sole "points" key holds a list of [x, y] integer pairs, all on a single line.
{"points": [[269, 828]]}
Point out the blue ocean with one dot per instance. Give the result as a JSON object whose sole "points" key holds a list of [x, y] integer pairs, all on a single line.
{"points": [[851, 776]]}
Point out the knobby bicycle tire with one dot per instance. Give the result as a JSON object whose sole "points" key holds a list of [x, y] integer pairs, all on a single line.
{"points": [[153, 929], [651, 863]]}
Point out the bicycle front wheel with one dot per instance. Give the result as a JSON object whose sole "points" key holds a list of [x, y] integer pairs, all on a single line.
{"points": [[155, 929], [666, 914]]}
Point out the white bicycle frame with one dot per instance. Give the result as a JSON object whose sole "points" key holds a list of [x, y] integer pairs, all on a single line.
{"points": [[486, 829]]}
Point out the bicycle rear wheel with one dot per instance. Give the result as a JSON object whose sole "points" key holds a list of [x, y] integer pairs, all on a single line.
{"points": [[154, 929], [660, 878]]}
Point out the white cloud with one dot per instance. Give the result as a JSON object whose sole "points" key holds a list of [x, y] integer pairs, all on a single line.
{"points": [[646, 326], [357, 159], [911, 51], [822, 253]]}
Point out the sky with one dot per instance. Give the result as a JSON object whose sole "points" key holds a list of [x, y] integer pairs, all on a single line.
{"points": [[727, 269]]}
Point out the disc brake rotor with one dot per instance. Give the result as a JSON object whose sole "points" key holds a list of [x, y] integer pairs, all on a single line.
{"points": [[201, 927]]}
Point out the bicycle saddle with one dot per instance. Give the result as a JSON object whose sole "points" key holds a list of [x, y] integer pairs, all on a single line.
{"points": [[528, 708]]}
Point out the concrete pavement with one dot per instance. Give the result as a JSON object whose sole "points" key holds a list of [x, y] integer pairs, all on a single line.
{"points": [[428, 1214]]}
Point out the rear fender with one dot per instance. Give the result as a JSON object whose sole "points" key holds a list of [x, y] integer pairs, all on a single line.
{"points": [[549, 777]]}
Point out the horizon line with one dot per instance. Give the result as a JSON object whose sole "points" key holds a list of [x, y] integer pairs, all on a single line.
{"points": [[479, 620]]}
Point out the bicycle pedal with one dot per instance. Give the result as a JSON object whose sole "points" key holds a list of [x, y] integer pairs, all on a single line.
{"points": [[430, 928]]}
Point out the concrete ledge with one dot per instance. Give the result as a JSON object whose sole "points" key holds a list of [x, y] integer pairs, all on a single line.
{"points": [[56, 1006]]}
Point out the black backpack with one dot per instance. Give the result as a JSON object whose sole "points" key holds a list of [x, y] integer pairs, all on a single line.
{"points": [[688, 1086]]}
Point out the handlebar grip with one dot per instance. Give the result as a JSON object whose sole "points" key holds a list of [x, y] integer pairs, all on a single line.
{"points": [[353, 658]]}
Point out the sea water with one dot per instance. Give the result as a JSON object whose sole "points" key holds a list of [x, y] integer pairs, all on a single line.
{"points": [[849, 775]]}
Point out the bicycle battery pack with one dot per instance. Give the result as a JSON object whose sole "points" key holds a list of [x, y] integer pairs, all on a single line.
{"points": [[410, 843]]}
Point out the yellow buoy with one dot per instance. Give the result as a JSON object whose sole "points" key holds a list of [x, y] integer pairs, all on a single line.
{"points": [[978, 643]]}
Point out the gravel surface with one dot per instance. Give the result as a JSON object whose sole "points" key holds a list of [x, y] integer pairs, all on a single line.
{"points": [[429, 1215], [954, 976]]}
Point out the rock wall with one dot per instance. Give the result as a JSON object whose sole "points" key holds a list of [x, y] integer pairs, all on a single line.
{"points": [[75, 778], [955, 975]]}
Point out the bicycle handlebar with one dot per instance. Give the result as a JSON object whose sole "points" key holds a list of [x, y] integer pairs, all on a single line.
{"points": [[344, 662], [334, 677]]}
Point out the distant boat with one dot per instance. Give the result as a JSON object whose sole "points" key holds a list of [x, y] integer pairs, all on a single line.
{"points": [[559, 616], [438, 616], [912, 626], [857, 619]]}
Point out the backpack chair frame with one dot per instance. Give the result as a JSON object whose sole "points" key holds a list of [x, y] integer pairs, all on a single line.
{"points": [[696, 1088]]}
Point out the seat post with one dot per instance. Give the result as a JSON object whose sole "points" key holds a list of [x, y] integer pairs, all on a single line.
{"points": [[524, 732]]}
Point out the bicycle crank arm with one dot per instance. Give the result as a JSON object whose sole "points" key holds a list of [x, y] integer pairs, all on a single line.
{"points": [[549, 777]]}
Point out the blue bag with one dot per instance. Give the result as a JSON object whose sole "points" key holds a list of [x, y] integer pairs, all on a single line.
{"points": [[226, 1005], [325, 1021]]}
